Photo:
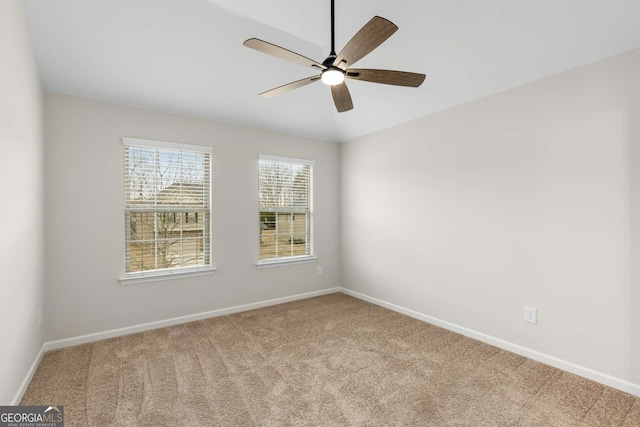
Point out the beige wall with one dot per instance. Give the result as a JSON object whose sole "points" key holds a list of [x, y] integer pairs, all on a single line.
{"points": [[632, 308], [525, 197], [85, 218], [21, 175]]}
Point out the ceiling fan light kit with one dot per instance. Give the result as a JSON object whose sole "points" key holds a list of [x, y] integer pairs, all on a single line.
{"points": [[335, 68], [332, 76]]}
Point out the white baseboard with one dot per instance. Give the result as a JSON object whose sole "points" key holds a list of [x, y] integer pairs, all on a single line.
{"points": [[582, 371], [83, 339], [27, 378]]}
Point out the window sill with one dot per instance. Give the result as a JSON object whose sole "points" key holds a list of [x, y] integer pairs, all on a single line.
{"points": [[156, 277], [287, 261]]}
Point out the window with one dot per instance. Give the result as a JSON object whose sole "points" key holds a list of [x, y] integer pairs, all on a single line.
{"points": [[167, 208], [285, 201]]}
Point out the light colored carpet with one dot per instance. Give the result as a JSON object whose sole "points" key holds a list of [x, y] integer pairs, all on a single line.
{"points": [[327, 361]]}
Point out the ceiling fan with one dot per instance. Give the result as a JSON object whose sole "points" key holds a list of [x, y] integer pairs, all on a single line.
{"points": [[335, 68]]}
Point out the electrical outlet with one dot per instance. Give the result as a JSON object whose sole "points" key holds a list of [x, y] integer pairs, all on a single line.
{"points": [[40, 316], [530, 315], [319, 271]]}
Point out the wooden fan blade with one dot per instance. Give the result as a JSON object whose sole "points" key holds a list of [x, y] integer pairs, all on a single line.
{"points": [[387, 77], [341, 97], [289, 86], [282, 53], [368, 38]]}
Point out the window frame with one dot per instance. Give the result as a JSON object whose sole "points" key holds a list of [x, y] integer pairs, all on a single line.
{"points": [[174, 272], [293, 259]]}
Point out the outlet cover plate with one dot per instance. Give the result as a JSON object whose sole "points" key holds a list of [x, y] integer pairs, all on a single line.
{"points": [[530, 315]]}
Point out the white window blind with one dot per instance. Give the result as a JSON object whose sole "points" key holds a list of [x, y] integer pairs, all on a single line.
{"points": [[285, 200], [167, 207]]}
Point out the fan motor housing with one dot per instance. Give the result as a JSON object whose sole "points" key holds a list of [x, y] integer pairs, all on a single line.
{"points": [[329, 61]]}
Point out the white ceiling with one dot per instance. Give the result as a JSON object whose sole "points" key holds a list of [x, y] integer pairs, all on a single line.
{"points": [[186, 56]]}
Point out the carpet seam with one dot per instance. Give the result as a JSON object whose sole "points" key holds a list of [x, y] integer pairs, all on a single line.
{"points": [[207, 381], [147, 381], [86, 385], [626, 417], [592, 405], [120, 382]]}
